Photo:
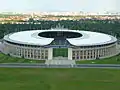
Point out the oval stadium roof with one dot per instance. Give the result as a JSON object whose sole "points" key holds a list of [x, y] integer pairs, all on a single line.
{"points": [[32, 38]]}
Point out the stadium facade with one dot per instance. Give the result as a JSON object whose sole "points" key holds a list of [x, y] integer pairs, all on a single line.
{"points": [[60, 43]]}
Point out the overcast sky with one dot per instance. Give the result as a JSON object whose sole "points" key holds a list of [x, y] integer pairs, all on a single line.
{"points": [[59, 5]]}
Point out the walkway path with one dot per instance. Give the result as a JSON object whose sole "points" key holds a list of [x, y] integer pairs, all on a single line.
{"points": [[25, 65], [60, 62]]}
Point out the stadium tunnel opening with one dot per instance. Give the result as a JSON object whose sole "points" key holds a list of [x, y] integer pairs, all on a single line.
{"points": [[60, 34]]}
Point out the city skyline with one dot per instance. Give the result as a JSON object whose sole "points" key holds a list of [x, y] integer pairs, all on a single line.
{"points": [[59, 5]]}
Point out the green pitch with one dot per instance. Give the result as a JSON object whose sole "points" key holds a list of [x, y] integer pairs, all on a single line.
{"points": [[59, 79], [60, 52]]}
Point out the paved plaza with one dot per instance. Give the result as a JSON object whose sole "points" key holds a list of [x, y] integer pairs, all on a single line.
{"points": [[60, 62]]}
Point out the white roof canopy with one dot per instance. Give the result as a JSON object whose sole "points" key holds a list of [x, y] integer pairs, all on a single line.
{"points": [[32, 38]]}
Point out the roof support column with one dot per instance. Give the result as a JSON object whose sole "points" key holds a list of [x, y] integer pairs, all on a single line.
{"points": [[50, 53], [69, 53]]}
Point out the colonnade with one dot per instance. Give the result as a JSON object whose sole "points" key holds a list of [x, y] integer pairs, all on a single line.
{"points": [[94, 53], [76, 53]]}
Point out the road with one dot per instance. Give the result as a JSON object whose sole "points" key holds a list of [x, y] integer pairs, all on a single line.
{"points": [[25, 65]]}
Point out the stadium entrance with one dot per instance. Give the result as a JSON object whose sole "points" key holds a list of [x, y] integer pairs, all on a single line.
{"points": [[60, 53]]}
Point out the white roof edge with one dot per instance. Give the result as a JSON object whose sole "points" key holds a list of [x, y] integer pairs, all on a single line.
{"points": [[49, 40], [71, 41]]}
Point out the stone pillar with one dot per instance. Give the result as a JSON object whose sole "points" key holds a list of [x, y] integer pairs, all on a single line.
{"points": [[33, 53], [87, 54], [30, 52], [98, 53], [27, 53], [50, 53], [69, 53]]}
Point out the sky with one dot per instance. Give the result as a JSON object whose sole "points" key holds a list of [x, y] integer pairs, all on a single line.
{"points": [[59, 5]]}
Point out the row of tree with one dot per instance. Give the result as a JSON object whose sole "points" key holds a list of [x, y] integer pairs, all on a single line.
{"points": [[104, 26]]}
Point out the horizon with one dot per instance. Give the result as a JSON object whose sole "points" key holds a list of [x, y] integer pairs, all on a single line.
{"points": [[99, 6]]}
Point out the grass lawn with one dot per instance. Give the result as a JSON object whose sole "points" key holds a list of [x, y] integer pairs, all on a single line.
{"points": [[9, 59], [59, 79], [111, 60]]}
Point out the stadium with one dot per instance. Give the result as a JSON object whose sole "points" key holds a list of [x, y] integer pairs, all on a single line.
{"points": [[62, 44]]}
